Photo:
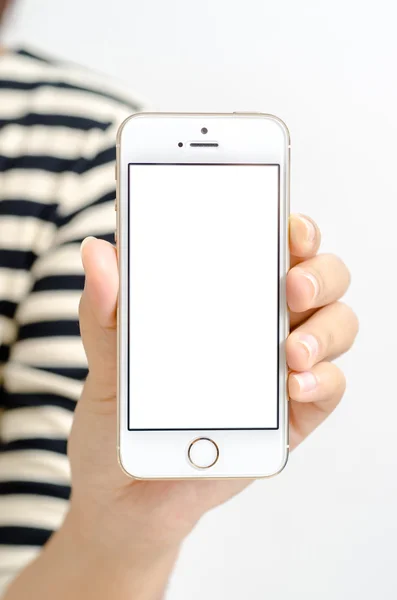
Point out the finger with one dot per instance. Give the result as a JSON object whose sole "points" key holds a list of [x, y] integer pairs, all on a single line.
{"points": [[98, 314], [316, 282], [314, 395], [327, 334], [93, 436], [304, 238], [324, 381], [101, 279]]}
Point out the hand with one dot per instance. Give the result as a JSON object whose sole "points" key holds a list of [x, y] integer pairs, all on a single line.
{"points": [[157, 515]]}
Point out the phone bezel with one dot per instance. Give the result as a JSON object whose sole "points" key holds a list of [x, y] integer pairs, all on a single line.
{"points": [[250, 138]]}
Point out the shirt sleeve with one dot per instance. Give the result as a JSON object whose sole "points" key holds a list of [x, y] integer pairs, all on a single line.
{"points": [[44, 375]]}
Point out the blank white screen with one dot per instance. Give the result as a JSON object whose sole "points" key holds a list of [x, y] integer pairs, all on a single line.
{"points": [[203, 318]]}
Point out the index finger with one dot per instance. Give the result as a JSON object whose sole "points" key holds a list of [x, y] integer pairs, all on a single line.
{"points": [[304, 238]]}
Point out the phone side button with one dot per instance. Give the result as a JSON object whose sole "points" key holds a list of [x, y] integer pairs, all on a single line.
{"points": [[203, 453]]}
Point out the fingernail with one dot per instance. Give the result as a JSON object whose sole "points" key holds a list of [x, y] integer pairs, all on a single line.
{"points": [[310, 344], [313, 282], [310, 229], [83, 243], [307, 381]]}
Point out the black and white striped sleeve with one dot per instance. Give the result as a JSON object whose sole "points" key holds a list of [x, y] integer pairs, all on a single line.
{"points": [[46, 367]]}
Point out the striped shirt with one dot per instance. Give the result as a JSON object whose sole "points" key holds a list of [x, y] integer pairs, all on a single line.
{"points": [[58, 126]]}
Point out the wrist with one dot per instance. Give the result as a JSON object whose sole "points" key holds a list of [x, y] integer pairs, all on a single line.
{"points": [[72, 566], [113, 539], [137, 569]]}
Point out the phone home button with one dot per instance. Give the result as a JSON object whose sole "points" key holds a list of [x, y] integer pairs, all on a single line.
{"points": [[203, 453]]}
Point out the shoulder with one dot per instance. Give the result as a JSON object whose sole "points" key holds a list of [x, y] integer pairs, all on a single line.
{"points": [[73, 96], [59, 123]]}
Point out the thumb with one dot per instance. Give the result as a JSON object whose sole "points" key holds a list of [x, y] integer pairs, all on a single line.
{"points": [[98, 314], [92, 443]]}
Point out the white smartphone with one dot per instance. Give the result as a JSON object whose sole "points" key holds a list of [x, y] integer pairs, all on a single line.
{"points": [[202, 237]]}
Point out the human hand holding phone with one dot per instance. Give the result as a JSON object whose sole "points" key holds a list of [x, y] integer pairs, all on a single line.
{"points": [[157, 515]]}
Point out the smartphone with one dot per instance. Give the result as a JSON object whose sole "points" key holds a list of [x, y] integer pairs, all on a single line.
{"points": [[202, 237]]}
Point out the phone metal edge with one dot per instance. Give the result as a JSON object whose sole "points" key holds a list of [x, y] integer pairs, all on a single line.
{"points": [[286, 264]]}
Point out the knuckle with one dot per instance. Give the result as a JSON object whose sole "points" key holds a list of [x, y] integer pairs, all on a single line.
{"points": [[350, 318], [341, 386], [341, 382], [337, 382], [348, 275], [344, 273], [339, 329], [332, 274]]}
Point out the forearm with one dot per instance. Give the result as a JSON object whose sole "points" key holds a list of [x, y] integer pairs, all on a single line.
{"points": [[69, 569]]}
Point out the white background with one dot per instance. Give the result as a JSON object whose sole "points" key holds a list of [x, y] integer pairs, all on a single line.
{"points": [[193, 365], [326, 528]]}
